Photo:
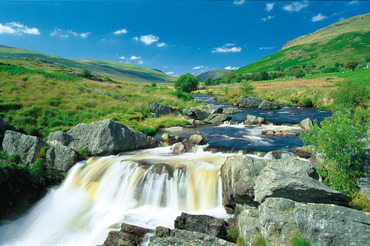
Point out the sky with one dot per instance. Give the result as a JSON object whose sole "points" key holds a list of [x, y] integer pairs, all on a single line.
{"points": [[175, 37]]}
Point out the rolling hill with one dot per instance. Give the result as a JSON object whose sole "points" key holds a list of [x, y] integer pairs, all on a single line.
{"points": [[213, 74], [114, 70], [346, 40]]}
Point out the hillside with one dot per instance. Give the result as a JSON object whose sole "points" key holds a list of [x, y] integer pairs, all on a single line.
{"points": [[213, 74], [114, 70], [343, 41]]}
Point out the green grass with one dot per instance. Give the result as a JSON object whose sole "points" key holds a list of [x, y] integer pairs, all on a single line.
{"points": [[214, 74]]}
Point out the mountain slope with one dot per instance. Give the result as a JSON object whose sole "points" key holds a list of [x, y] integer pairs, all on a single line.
{"points": [[114, 70], [213, 74], [343, 41]]}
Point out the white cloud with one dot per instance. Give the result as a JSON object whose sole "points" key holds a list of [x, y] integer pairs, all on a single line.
{"points": [[121, 31], [66, 34], [140, 62], [161, 44], [230, 44], [135, 57], [268, 18], [266, 48], [226, 49], [295, 6], [121, 57], [239, 2], [231, 68], [136, 38], [318, 17], [341, 18], [18, 29], [169, 73], [198, 67], [269, 6], [353, 2], [149, 39]]}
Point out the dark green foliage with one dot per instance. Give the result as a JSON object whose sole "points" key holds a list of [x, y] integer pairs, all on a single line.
{"points": [[351, 94], [340, 143], [351, 65], [86, 74], [182, 95], [229, 77], [186, 83], [330, 70], [297, 240], [153, 84], [84, 152], [208, 81], [245, 88], [260, 241], [294, 72]]}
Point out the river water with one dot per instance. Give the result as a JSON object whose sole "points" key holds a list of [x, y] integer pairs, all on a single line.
{"points": [[146, 187]]}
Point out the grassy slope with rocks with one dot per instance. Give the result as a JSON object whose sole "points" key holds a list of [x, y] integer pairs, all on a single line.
{"points": [[343, 41], [114, 70]]}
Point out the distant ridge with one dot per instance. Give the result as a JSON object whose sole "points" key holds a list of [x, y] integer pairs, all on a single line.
{"points": [[213, 74], [114, 70]]}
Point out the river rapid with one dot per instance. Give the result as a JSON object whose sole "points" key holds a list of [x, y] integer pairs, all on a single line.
{"points": [[149, 187]]}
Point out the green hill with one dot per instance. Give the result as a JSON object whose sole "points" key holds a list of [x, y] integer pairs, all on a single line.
{"points": [[114, 70], [213, 74], [343, 41]]}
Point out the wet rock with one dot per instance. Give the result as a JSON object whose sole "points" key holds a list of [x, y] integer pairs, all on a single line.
{"points": [[217, 119], [61, 157], [192, 122], [26, 146], [188, 112], [249, 102], [248, 225], [200, 114], [254, 120], [178, 148], [107, 137], [160, 109], [302, 152], [196, 139], [289, 134], [269, 105], [60, 137], [231, 111], [171, 139], [277, 155], [199, 122], [129, 235], [202, 223], [273, 182], [279, 133], [268, 132], [306, 124]]}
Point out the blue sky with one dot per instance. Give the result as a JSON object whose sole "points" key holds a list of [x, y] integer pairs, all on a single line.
{"points": [[173, 36]]}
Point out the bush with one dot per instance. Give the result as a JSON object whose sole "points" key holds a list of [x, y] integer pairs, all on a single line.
{"points": [[351, 94], [351, 65], [186, 83], [330, 70], [153, 84], [340, 143], [360, 202], [245, 88], [182, 95]]}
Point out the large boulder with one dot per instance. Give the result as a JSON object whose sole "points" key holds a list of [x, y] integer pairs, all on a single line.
{"points": [[27, 147], [254, 120], [107, 137], [61, 157], [129, 235], [273, 182], [306, 124], [217, 118], [59, 136], [269, 105], [160, 109], [231, 111], [278, 219], [202, 223], [200, 114], [239, 174], [249, 102], [215, 109]]}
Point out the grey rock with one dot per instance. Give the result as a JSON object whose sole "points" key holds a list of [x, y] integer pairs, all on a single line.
{"points": [[254, 120], [239, 173], [332, 225], [199, 122], [61, 157], [178, 148], [196, 139], [200, 114], [60, 137], [306, 124], [215, 109], [249, 102], [248, 225], [217, 118], [231, 111], [129, 235], [269, 105], [303, 152], [26, 146], [188, 112], [277, 155], [188, 238], [107, 137], [160, 109], [273, 182]]}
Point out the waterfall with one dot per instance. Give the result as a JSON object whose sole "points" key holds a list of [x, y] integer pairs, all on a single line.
{"points": [[145, 188]]}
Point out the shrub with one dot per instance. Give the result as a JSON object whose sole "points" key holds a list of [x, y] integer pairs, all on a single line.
{"points": [[84, 152], [330, 70], [341, 145], [153, 84], [245, 88], [351, 65], [182, 95], [186, 83], [351, 94], [360, 202]]}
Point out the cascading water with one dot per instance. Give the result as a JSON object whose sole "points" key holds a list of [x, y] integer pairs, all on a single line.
{"points": [[146, 188]]}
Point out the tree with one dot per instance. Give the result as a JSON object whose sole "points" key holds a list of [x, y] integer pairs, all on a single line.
{"points": [[245, 88], [264, 75], [86, 74], [340, 143], [229, 77], [351, 65], [186, 83], [208, 81]]}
